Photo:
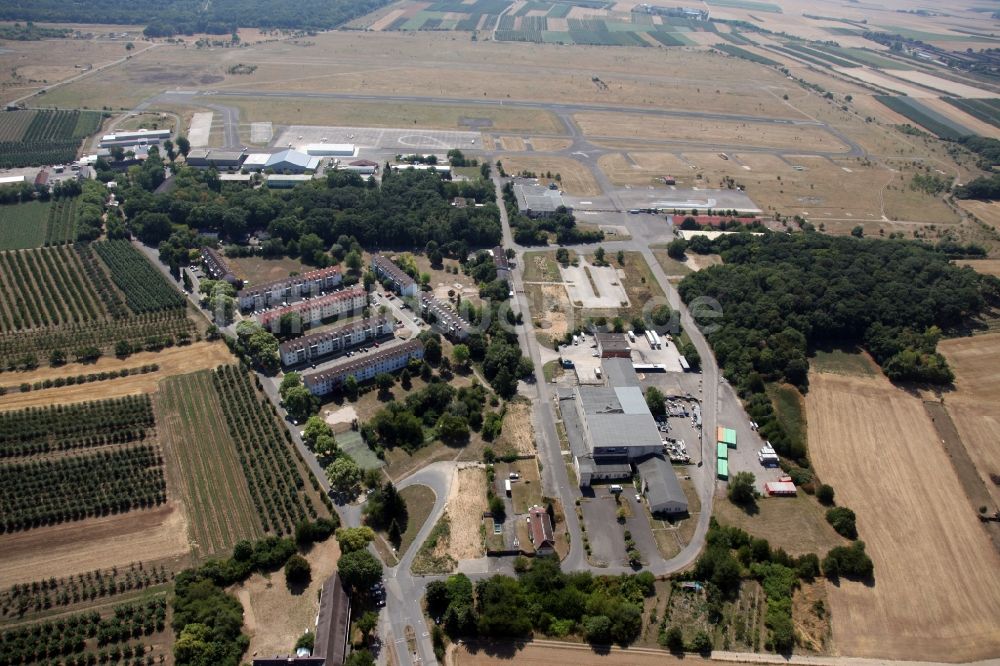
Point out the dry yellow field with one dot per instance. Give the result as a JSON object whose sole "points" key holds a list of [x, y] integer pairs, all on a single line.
{"points": [[576, 178], [975, 404], [987, 211], [791, 137], [961, 117], [97, 543], [984, 266], [936, 594], [547, 144], [511, 143], [643, 168], [468, 497], [173, 361], [275, 616]]}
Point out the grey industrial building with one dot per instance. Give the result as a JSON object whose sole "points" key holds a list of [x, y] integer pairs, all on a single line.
{"points": [[612, 435], [204, 158], [538, 201]]}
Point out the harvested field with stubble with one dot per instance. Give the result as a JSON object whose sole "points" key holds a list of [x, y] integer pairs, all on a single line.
{"points": [[173, 361], [468, 495], [202, 464], [975, 405], [936, 594], [97, 543]]}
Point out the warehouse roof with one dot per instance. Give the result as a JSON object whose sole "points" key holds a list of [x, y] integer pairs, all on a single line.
{"points": [[662, 486], [619, 372], [618, 417], [294, 158]]}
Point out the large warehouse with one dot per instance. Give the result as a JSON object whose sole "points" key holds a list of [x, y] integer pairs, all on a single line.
{"points": [[612, 435], [331, 149]]}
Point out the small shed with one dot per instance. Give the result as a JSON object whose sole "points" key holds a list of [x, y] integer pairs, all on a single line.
{"points": [[780, 488]]}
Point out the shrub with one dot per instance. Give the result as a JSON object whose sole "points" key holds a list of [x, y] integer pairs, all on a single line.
{"points": [[825, 494], [848, 561], [842, 520]]}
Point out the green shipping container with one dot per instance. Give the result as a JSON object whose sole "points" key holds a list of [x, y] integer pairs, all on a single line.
{"points": [[723, 451], [730, 438], [723, 469]]}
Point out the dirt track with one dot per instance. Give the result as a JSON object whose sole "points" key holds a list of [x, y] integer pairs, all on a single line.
{"points": [[975, 405], [99, 543], [936, 594], [173, 361]]}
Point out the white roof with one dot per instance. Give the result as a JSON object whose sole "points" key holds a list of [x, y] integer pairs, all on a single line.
{"points": [[256, 159], [8, 180], [293, 158], [330, 149]]}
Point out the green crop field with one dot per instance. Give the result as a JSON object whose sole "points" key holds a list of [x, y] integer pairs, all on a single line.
{"points": [[824, 55], [201, 451], [23, 225], [927, 118], [747, 4]]}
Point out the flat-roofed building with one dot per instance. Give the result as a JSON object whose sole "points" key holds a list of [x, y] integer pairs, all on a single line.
{"points": [[309, 348], [537, 200], [613, 345], [285, 181], [386, 359], [385, 269], [270, 294], [331, 149], [220, 159], [316, 310]]}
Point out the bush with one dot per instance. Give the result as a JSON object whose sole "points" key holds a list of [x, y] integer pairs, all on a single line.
{"points": [[842, 520], [297, 570], [741, 488], [701, 643], [825, 494], [673, 639], [848, 561]]}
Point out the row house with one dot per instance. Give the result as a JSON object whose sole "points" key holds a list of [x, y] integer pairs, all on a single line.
{"points": [[387, 359], [270, 294], [386, 269], [309, 348], [315, 310]]}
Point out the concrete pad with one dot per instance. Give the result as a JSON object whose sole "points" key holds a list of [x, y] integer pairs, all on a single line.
{"points": [[201, 128], [261, 133], [399, 140], [610, 292]]}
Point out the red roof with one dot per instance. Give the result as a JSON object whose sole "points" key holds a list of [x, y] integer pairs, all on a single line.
{"points": [[541, 527], [779, 488], [716, 220], [302, 306]]}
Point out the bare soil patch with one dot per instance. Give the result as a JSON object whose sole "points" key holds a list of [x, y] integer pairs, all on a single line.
{"points": [[468, 496], [274, 616], [936, 594], [97, 543], [174, 361]]}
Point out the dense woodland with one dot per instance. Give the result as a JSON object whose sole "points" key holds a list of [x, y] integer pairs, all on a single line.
{"points": [[172, 17], [783, 296], [410, 209]]}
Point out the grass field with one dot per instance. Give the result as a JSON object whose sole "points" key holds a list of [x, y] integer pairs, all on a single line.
{"points": [[419, 503], [714, 132], [878, 448], [273, 615], [576, 178], [789, 409], [796, 524], [204, 463], [844, 362], [353, 445], [23, 226]]}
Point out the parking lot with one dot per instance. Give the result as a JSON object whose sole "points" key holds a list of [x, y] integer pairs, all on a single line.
{"points": [[607, 543], [744, 457]]}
